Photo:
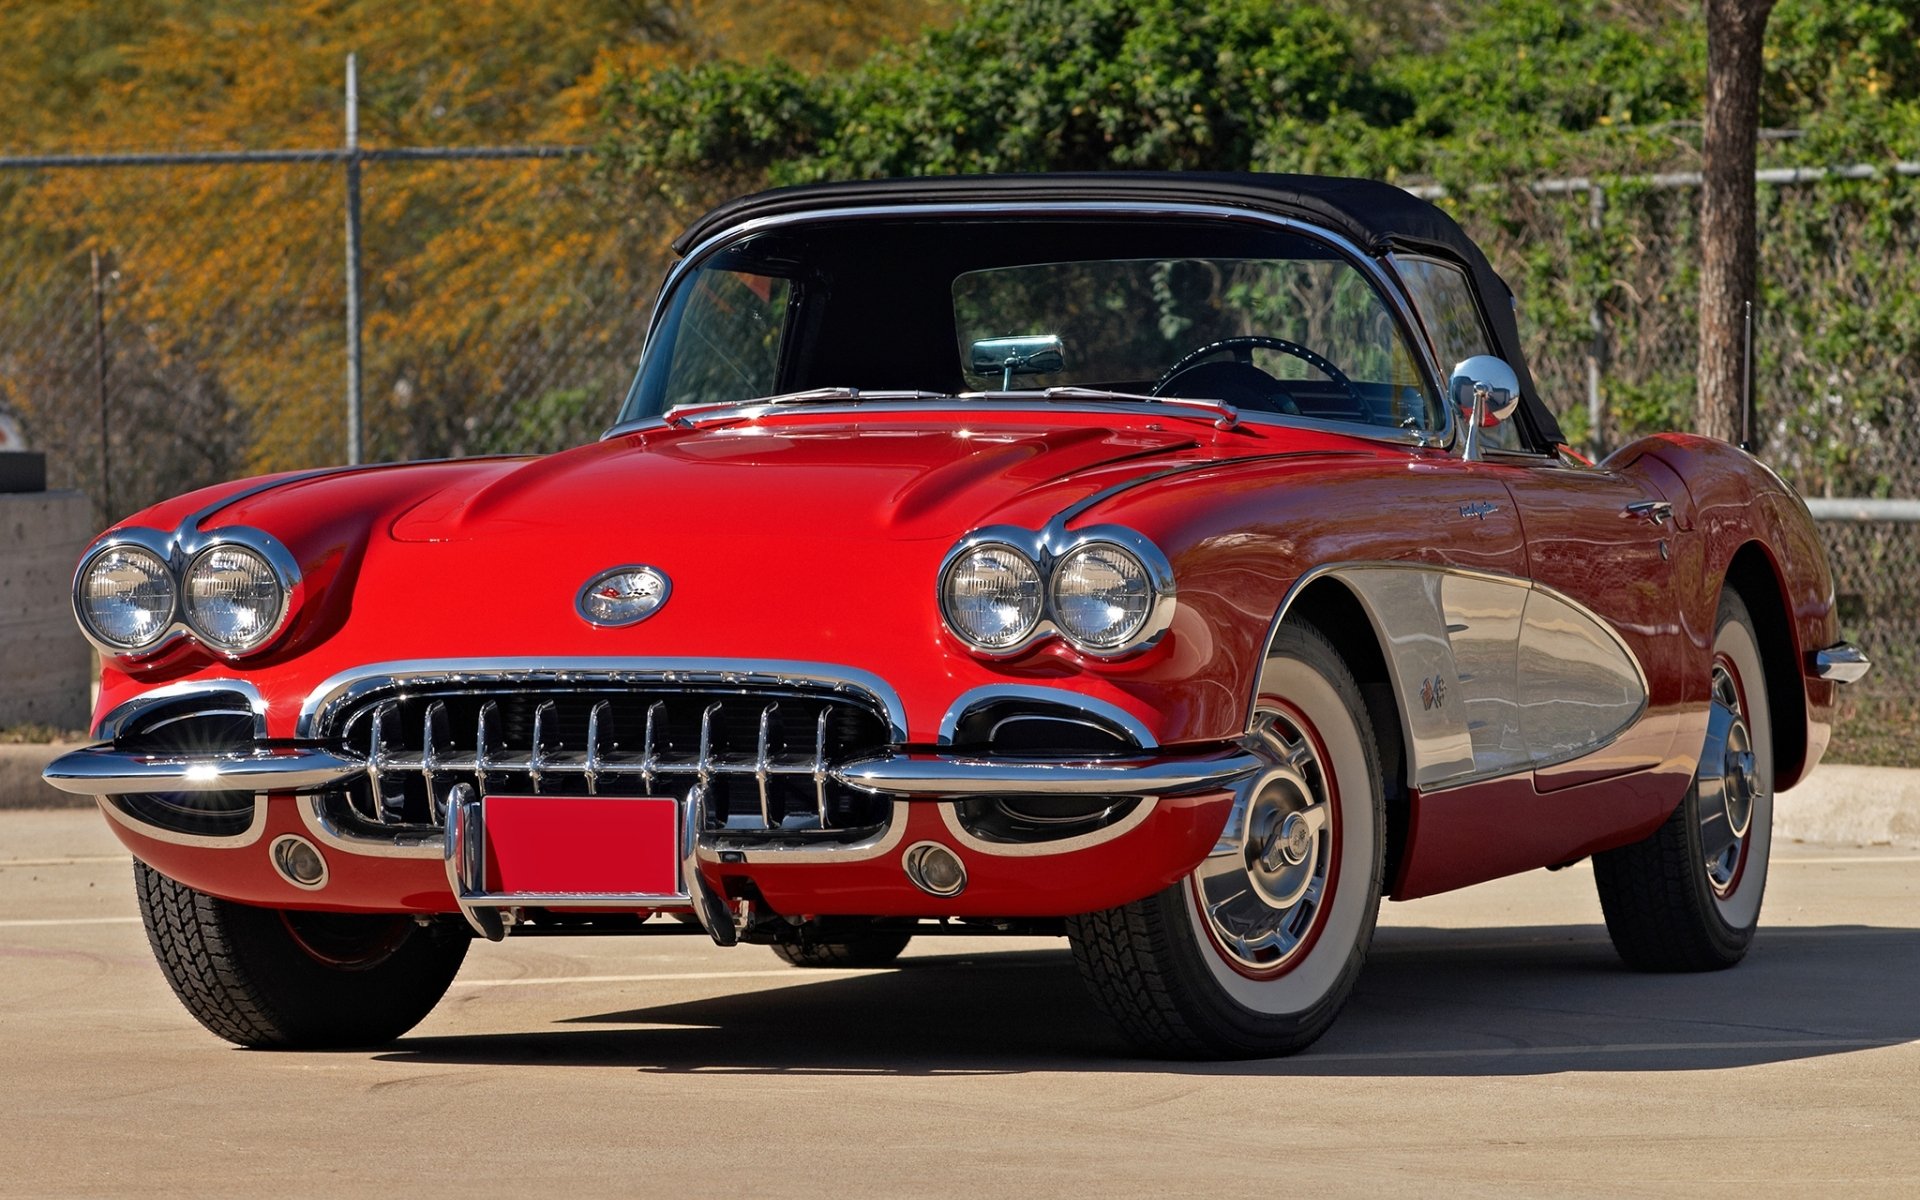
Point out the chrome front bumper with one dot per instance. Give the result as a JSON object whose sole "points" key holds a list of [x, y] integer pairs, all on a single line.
{"points": [[104, 771]]}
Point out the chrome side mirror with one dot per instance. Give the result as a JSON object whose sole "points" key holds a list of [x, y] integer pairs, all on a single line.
{"points": [[1486, 391], [1035, 354]]}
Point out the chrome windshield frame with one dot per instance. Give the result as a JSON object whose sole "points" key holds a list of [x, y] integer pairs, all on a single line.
{"points": [[1386, 283]]}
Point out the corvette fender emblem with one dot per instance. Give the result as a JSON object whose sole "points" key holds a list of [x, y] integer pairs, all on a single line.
{"points": [[623, 595]]}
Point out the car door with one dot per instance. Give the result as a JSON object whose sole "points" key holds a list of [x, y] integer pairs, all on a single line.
{"points": [[1600, 554], [1600, 613]]}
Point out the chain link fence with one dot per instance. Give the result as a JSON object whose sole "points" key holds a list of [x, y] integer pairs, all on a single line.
{"points": [[1607, 274], [170, 321], [167, 321]]}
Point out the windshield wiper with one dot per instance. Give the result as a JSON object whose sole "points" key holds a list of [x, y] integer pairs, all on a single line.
{"points": [[846, 395], [1225, 416], [825, 395]]}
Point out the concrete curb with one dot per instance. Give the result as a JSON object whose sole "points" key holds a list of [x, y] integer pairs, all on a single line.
{"points": [[20, 782], [1852, 806], [1840, 806]]}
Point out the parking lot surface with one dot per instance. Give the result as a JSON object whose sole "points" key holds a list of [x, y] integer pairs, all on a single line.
{"points": [[1494, 1046]]}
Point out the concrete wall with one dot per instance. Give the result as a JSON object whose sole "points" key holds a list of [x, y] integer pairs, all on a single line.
{"points": [[46, 667]]}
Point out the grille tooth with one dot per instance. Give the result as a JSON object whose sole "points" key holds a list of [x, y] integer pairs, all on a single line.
{"points": [[765, 755], [432, 730], [820, 769], [593, 746]]}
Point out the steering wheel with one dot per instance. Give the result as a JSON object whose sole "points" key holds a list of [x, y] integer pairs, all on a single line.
{"points": [[1225, 380]]}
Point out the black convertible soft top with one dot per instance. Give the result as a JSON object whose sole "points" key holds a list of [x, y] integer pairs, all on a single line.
{"points": [[1376, 216]]}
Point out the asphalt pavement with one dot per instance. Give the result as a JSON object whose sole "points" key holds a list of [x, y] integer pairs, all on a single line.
{"points": [[1495, 1046]]}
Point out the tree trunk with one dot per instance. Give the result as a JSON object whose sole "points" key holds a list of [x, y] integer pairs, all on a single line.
{"points": [[1735, 32]]}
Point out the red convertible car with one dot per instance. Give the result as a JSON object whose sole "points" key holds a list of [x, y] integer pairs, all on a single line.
{"points": [[1181, 563]]}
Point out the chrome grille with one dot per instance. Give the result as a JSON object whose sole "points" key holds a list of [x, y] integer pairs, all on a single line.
{"points": [[764, 755]]}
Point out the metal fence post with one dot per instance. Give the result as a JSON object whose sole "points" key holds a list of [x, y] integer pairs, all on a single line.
{"points": [[100, 377], [354, 434], [1597, 352]]}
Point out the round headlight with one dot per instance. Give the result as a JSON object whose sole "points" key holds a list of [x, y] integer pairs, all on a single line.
{"points": [[992, 596], [234, 598], [1102, 596], [126, 597]]}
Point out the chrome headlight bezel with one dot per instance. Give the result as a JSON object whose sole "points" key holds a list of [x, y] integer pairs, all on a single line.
{"points": [[1057, 597], [281, 573], [1047, 549], [949, 568], [180, 550], [129, 542]]}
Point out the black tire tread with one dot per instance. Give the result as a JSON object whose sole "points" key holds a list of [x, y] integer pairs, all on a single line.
{"points": [[200, 968], [1119, 952], [239, 973], [1131, 958], [1660, 914], [1654, 914]]}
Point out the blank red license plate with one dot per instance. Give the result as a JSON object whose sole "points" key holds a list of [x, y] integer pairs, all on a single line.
{"points": [[591, 844]]}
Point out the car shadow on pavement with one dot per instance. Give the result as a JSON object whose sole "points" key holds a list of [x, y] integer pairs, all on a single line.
{"points": [[1432, 1002]]}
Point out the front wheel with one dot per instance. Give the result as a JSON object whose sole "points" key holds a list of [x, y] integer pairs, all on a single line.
{"points": [[287, 979], [1254, 954], [1688, 897]]}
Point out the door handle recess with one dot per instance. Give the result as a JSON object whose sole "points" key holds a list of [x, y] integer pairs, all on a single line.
{"points": [[1657, 511]]}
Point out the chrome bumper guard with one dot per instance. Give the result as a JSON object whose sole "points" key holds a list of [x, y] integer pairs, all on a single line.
{"points": [[464, 849], [1841, 662]]}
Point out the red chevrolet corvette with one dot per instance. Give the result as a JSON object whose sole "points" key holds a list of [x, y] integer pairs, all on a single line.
{"points": [[1181, 563]]}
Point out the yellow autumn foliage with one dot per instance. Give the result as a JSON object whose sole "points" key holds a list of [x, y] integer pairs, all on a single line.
{"points": [[503, 301]]}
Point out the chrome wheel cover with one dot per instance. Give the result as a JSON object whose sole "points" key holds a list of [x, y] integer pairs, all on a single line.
{"points": [[1263, 889], [1728, 785]]}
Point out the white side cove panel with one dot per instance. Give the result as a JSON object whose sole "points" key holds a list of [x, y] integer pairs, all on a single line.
{"points": [[1579, 686], [1495, 675]]}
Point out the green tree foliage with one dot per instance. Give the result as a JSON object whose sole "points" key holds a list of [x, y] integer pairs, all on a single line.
{"points": [[1462, 94]]}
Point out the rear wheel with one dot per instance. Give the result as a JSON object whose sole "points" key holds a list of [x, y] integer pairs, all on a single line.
{"points": [[1254, 954], [1688, 897], [289, 979]]}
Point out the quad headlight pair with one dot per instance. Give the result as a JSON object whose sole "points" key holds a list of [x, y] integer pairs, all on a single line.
{"points": [[233, 592], [1106, 590]]}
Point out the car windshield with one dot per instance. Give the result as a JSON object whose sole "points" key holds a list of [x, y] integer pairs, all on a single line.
{"points": [[1276, 324]]}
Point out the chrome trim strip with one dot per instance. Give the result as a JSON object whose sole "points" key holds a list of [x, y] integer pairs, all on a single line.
{"points": [[950, 816], [195, 519], [158, 833], [114, 724], [104, 771], [907, 774], [1113, 714], [322, 706], [721, 845], [1429, 773], [1386, 282], [397, 845], [1841, 662]]}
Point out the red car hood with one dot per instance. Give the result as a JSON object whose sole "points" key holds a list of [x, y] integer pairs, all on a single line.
{"points": [[808, 538], [899, 482]]}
